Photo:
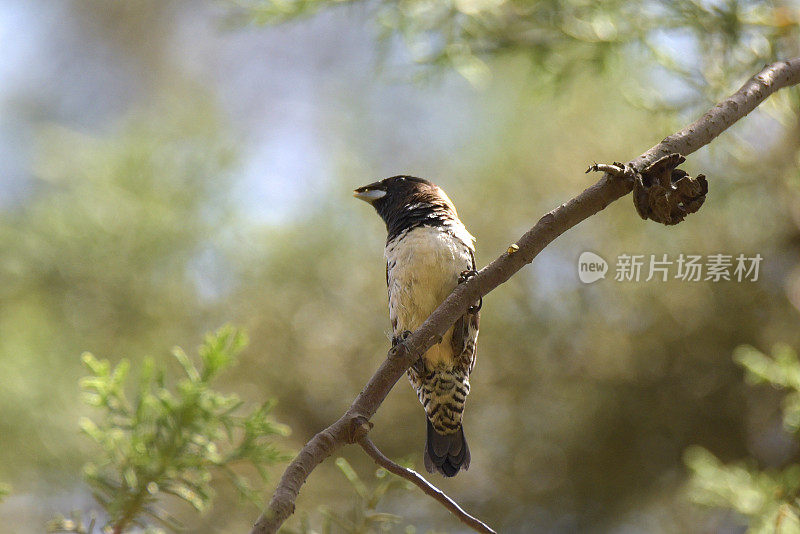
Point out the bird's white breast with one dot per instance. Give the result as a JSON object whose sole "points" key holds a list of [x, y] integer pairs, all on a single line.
{"points": [[424, 264]]}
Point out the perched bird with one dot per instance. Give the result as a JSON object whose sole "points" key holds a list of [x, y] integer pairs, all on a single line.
{"points": [[428, 252]]}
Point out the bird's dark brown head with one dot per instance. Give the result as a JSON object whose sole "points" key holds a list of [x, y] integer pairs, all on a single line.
{"points": [[404, 202]]}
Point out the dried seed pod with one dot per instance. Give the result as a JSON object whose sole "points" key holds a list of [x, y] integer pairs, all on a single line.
{"points": [[666, 194]]}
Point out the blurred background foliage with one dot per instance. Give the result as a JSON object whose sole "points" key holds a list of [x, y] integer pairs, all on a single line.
{"points": [[168, 167], [768, 498], [362, 516]]}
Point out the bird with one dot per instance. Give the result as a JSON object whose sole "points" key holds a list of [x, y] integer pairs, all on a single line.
{"points": [[428, 252]]}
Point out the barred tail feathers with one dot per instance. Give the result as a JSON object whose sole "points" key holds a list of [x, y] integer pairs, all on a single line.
{"points": [[446, 453]]}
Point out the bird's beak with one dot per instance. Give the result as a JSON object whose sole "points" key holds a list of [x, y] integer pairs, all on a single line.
{"points": [[369, 195]]}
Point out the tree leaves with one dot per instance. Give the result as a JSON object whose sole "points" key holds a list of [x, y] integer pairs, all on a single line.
{"points": [[767, 498], [363, 517], [170, 438], [564, 38]]}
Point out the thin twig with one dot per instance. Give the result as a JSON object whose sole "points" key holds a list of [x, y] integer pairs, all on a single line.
{"points": [[418, 480], [592, 200], [615, 169]]}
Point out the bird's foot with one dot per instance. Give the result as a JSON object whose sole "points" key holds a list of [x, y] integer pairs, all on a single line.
{"points": [[419, 365], [463, 277], [398, 346], [396, 340], [466, 275]]}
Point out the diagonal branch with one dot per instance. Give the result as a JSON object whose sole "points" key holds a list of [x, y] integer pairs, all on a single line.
{"points": [[409, 474], [592, 200]]}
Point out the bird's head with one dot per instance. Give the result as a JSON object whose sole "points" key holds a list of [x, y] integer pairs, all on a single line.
{"points": [[394, 190], [405, 202], [397, 194]]}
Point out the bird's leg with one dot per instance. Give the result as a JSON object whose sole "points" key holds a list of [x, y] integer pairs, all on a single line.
{"points": [[463, 277], [419, 365]]}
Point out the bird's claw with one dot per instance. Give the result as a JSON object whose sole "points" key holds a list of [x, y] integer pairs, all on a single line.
{"points": [[463, 277], [466, 275], [396, 340]]}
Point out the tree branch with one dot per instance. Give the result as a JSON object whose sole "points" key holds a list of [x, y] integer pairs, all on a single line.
{"points": [[592, 200], [409, 474]]}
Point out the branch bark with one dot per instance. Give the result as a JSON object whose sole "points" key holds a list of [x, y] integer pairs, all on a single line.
{"points": [[409, 474], [592, 200]]}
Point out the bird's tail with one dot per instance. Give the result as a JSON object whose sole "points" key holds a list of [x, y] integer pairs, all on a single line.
{"points": [[446, 453]]}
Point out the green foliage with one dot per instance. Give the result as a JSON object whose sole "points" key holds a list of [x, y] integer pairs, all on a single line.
{"points": [[5, 489], [564, 37], [103, 256], [170, 439], [363, 517], [77, 525], [767, 498]]}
